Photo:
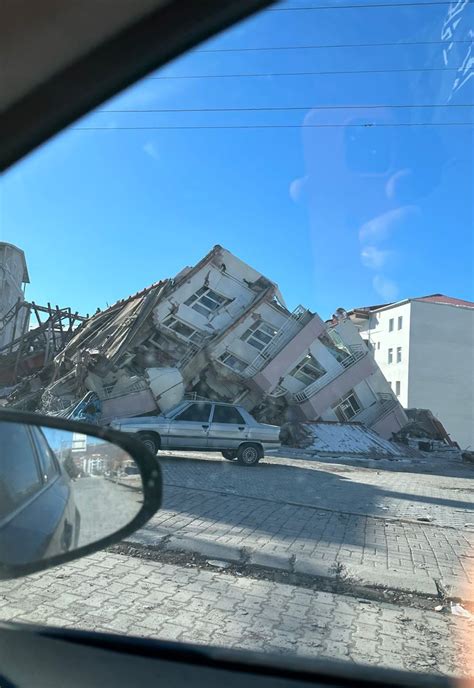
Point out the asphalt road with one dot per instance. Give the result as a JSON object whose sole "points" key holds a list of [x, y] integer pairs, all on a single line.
{"points": [[104, 507]]}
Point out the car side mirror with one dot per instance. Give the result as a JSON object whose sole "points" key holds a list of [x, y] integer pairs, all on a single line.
{"points": [[68, 489]]}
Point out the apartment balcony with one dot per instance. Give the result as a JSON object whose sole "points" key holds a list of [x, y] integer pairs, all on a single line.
{"points": [[372, 414], [294, 324], [358, 352]]}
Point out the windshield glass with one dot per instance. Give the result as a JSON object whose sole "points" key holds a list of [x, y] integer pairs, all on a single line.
{"points": [[281, 220]]}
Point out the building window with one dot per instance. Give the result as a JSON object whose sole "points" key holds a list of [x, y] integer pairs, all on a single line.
{"points": [[259, 335], [399, 354], [390, 325], [390, 356], [400, 322], [347, 407], [390, 383], [233, 362], [181, 329], [206, 301], [397, 388], [308, 370], [378, 345]]}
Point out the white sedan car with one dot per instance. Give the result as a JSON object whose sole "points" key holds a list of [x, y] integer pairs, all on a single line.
{"points": [[205, 426]]}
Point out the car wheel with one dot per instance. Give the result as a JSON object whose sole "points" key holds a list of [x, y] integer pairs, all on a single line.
{"points": [[249, 454], [229, 454], [150, 440]]}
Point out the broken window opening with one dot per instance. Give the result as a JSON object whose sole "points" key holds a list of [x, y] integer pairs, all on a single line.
{"points": [[332, 340], [347, 407], [308, 370], [182, 330], [206, 301], [233, 362], [259, 335]]}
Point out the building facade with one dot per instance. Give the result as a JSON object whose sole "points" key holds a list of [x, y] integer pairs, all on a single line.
{"points": [[221, 330], [425, 349]]}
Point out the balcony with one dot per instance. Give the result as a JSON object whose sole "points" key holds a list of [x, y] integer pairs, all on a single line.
{"points": [[370, 415], [295, 322], [358, 352]]}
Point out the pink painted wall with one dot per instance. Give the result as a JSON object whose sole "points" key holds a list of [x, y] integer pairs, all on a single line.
{"points": [[329, 394], [392, 422], [268, 377]]}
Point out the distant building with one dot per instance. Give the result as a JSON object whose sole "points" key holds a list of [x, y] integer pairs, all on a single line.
{"points": [[13, 278], [425, 348]]}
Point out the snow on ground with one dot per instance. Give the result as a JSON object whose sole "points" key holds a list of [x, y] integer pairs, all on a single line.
{"points": [[348, 438]]}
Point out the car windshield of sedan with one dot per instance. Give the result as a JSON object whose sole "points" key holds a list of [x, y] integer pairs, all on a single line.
{"points": [[275, 231]]}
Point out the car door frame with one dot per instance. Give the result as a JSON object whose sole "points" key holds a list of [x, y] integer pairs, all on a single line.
{"points": [[240, 435], [177, 444]]}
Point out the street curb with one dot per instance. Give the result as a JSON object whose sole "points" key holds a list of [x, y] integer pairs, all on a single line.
{"points": [[373, 577]]}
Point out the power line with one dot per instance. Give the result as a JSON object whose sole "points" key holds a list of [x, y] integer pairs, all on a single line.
{"points": [[320, 47], [368, 125], [292, 107], [266, 74], [358, 7]]}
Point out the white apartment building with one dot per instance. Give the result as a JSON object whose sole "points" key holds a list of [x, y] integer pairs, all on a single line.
{"points": [[425, 349]]}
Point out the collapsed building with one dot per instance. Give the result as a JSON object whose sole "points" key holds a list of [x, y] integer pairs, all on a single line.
{"points": [[218, 330]]}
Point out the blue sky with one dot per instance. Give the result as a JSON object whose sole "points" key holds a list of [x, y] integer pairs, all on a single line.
{"points": [[338, 214]]}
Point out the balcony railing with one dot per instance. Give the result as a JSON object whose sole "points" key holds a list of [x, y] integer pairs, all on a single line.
{"points": [[296, 321], [385, 403], [358, 351]]}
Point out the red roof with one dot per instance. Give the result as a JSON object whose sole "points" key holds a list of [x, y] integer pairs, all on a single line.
{"points": [[441, 298]]}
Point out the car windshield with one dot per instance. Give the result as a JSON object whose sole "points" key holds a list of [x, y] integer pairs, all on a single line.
{"points": [[280, 220]]}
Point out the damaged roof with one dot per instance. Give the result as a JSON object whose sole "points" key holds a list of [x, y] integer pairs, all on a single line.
{"points": [[111, 331]]}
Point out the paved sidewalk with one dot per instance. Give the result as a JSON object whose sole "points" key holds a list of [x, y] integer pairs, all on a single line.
{"points": [[309, 517], [110, 592]]}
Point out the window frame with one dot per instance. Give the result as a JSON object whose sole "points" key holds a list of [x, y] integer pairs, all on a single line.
{"points": [[399, 354], [347, 398], [298, 370], [398, 388], [191, 405], [195, 301], [400, 322], [390, 355], [196, 335], [218, 406], [255, 329], [391, 324], [230, 354]]}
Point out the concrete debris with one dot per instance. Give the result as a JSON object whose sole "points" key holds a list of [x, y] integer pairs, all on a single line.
{"points": [[217, 330], [338, 438], [424, 431], [458, 610]]}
